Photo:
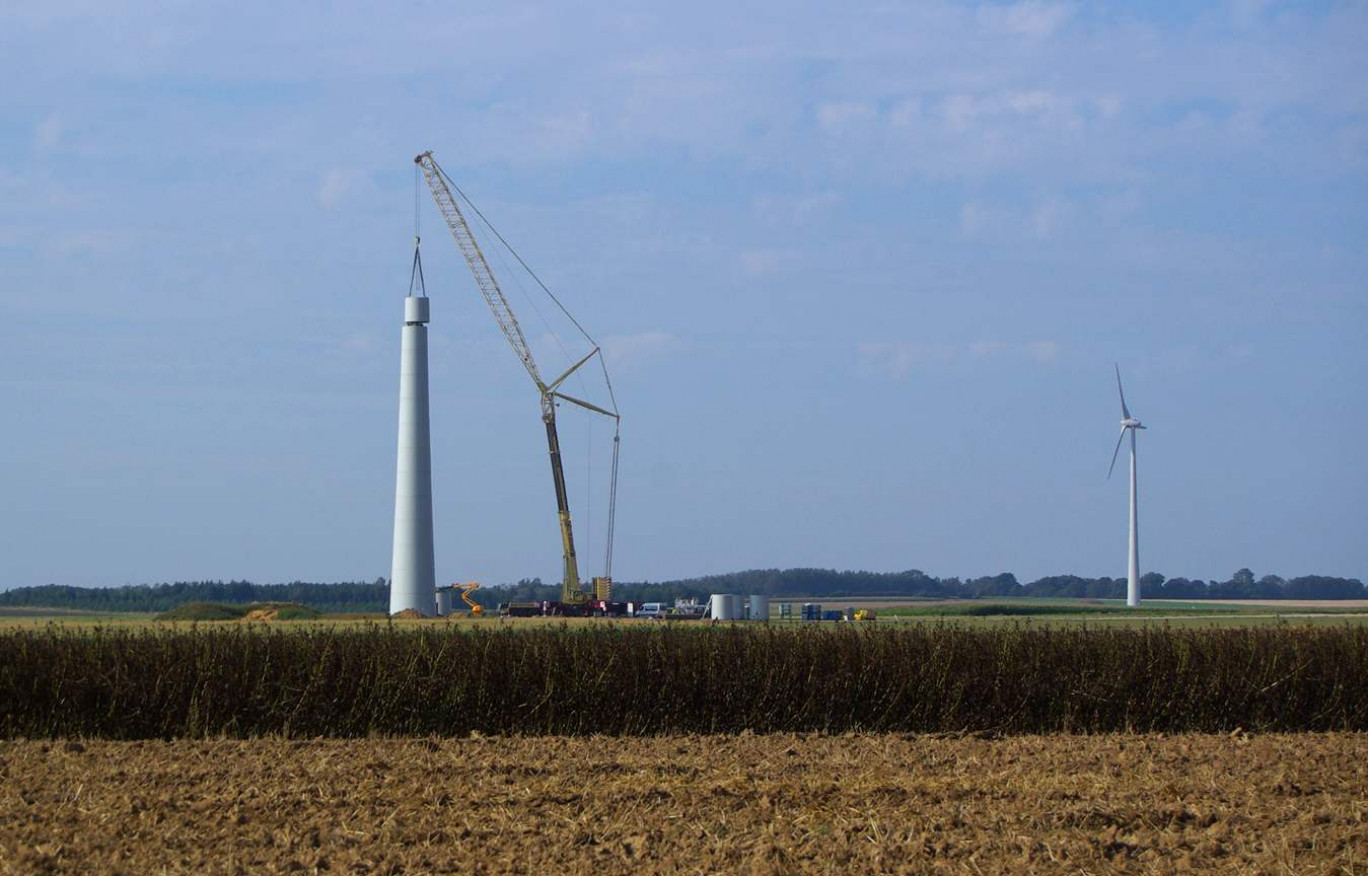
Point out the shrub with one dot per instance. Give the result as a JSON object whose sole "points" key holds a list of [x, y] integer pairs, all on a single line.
{"points": [[244, 681]]}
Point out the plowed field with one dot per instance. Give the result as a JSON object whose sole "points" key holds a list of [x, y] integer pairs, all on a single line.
{"points": [[695, 804]]}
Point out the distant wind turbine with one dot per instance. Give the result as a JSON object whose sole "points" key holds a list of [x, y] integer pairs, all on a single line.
{"points": [[1129, 423]]}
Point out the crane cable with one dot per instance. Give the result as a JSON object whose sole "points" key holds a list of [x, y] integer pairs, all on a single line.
{"points": [[416, 275]]}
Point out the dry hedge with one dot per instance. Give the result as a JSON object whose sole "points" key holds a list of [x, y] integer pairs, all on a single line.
{"points": [[623, 680]]}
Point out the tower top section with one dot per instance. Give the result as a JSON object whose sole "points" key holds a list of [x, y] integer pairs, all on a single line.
{"points": [[416, 310]]}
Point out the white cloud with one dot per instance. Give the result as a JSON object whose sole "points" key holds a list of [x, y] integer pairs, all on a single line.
{"points": [[906, 112], [973, 216], [566, 132], [1040, 351], [958, 110], [337, 186], [795, 209], [1026, 102], [986, 348], [767, 262], [1047, 216], [92, 242], [897, 359], [1108, 106], [840, 116], [1246, 13], [48, 133], [1029, 18]]}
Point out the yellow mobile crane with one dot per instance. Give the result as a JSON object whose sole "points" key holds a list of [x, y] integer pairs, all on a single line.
{"points": [[575, 597]]}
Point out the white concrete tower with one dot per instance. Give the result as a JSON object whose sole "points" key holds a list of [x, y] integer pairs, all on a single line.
{"points": [[413, 581]]}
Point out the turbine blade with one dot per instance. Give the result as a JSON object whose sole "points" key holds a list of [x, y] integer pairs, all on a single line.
{"points": [[1125, 412], [1119, 439]]}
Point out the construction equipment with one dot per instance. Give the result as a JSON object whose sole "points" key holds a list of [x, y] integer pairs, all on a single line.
{"points": [[576, 598], [464, 591]]}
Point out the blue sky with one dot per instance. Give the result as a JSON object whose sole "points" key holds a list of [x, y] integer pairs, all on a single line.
{"points": [[861, 273]]}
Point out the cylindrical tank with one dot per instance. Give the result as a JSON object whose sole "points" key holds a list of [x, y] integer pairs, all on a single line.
{"points": [[759, 608], [444, 602], [412, 575], [723, 606], [738, 606]]}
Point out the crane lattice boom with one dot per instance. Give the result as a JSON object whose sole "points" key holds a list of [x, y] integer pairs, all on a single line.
{"points": [[571, 590], [484, 277]]}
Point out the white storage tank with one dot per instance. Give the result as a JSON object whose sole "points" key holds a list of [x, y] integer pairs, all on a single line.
{"points": [[723, 606], [738, 610], [759, 609], [444, 602]]}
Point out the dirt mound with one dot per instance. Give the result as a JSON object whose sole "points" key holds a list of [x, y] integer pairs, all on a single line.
{"points": [[409, 614], [262, 614], [285, 611], [255, 611]]}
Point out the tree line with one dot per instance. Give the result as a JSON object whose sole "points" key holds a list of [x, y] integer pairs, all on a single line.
{"points": [[371, 597], [914, 583], [342, 597]]}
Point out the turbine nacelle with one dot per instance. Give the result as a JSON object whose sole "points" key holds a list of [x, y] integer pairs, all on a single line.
{"points": [[1127, 422]]}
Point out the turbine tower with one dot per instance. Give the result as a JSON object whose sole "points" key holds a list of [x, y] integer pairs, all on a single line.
{"points": [[1129, 424], [413, 580]]}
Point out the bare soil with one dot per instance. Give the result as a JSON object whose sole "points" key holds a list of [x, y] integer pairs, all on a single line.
{"points": [[748, 804]]}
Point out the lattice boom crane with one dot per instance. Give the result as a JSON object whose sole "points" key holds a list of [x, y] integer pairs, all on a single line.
{"points": [[572, 591]]}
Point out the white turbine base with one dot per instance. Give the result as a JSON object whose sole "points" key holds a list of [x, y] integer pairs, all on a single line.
{"points": [[1133, 551]]}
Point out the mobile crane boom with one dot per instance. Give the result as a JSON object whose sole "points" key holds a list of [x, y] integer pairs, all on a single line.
{"points": [[572, 591]]}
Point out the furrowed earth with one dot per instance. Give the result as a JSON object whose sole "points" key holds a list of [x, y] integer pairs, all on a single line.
{"points": [[690, 804]]}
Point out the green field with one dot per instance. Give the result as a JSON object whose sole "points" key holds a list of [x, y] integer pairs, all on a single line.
{"points": [[970, 613], [1074, 612]]}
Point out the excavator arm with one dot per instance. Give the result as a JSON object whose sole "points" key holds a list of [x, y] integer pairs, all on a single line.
{"points": [[466, 589]]}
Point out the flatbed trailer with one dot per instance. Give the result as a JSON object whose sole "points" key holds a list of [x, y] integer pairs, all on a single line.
{"points": [[556, 608]]}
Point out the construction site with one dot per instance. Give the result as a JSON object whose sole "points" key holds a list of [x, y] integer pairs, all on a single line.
{"points": [[413, 588]]}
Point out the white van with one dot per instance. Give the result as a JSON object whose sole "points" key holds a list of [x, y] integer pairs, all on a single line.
{"points": [[656, 610]]}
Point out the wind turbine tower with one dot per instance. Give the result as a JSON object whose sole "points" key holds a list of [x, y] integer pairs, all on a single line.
{"points": [[1132, 425], [413, 580]]}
